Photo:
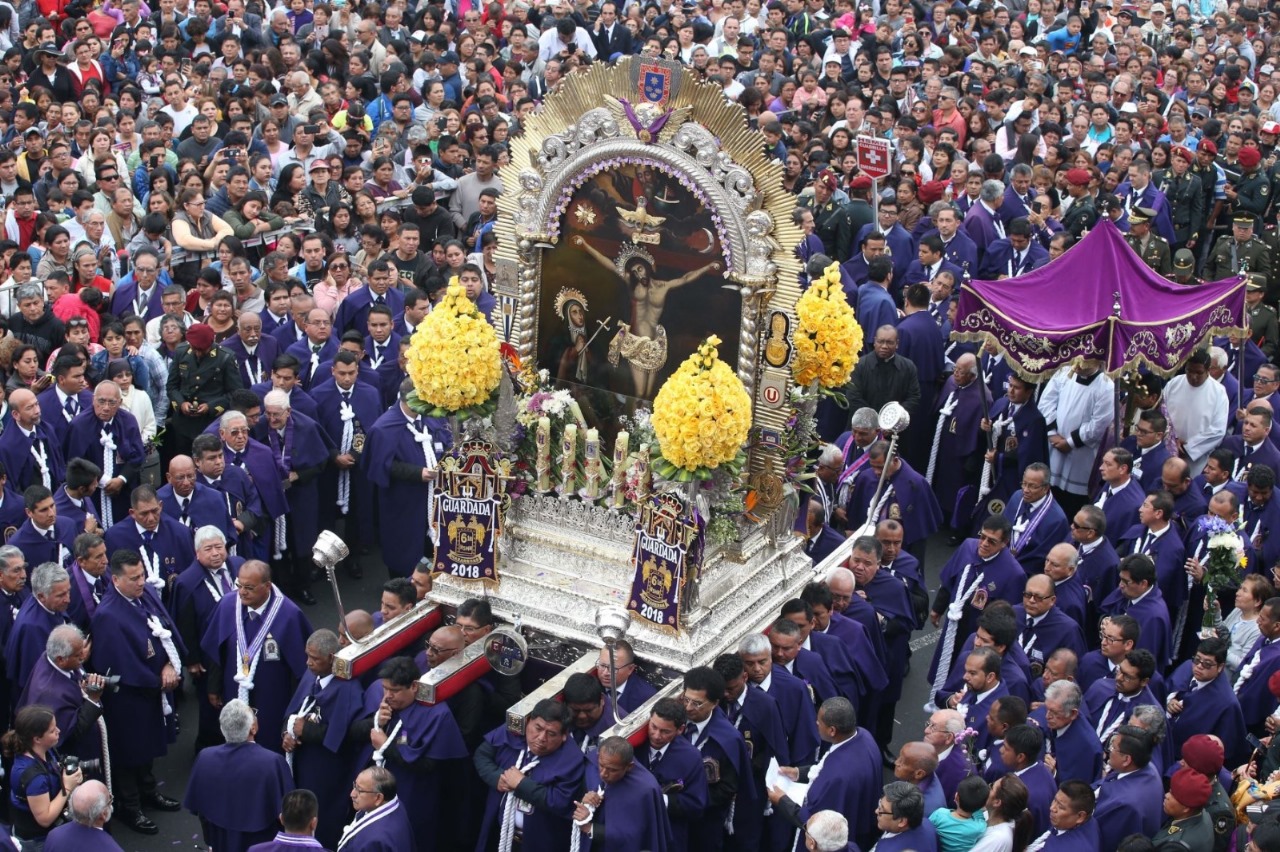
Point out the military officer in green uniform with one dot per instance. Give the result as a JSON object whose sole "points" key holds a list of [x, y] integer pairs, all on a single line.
{"points": [[1252, 192], [201, 379], [1238, 252], [1263, 327], [1082, 215], [1150, 246], [1184, 267], [1189, 827], [1186, 196], [831, 221]]}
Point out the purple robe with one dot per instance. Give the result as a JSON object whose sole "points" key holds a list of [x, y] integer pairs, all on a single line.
{"points": [[912, 503], [170, 549], [632, 817], [1082, 838], [1031, 544], [961, 444], [795, 700], [254, 368], [84, 440], [721, 742], [1002, 579], [242, 500], [27, 638], [1002, 259], [1054, 630], [123, 645], [54, 415], [849, 783], [1042, 788], [1073, 599], [1127, 805], [302, 351], [299, 400], [322, 761], [1099, 571], [953, 769], [1107, 708], [309, 453], [257, 465], [427, 732], [389, 830], [284, 842], [38, 549], [1170, 557], [1213, 707], [1256, 700], [259, 778], [920, 341], [1262, 526], [1077, 750], [19, 463], [556, 780], [192, 605], [206, 506], [275, 678], [1014, 673], [922, 838], [74, 837], [402, 503], [1152, 614], [1120, 508], [1030, 444], [680, 766], [353, 311], [366, 406], [1150, 197], [633, 692], [387, 370], [76, 511], [60, 692], [756, 716]]}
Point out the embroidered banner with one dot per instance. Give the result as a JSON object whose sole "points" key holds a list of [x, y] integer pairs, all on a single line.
{"points": [[470, 498], [668, 541]]}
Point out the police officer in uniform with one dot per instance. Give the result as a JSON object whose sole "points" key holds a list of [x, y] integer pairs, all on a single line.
{"points": [[1190, 827], [201, 380], [1206, 168], [1184, 267], [1263, 327], [1186, 196], [1082, 215], [1252, 192], [1151, 247], [831, 220], [1238, 252]]}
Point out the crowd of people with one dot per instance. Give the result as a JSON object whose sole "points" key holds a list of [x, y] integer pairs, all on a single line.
{"points": [[222, 224]]}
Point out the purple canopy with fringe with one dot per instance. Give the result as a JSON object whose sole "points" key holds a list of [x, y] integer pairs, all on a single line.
{"points": [[1098, 301]]}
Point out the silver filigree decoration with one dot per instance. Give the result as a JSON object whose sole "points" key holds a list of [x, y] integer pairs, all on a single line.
{"points": [[595, 125], [1176, 336], [1143, 341]]}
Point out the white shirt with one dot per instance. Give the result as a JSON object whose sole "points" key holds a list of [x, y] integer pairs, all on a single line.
{"points": [[1198, 416]]}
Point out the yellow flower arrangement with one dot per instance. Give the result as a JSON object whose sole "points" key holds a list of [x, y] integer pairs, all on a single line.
{"points": [[701, 416], [827, 338], [454, 359]]}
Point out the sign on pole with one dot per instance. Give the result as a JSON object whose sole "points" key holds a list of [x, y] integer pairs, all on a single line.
{"points": [[873, 157]]}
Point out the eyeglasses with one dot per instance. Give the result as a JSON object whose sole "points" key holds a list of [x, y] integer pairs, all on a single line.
{"points": [[339, 266], [355, 788], [1263, 380], [1106, 640], [1081, 527], [1203, 663], [242, 587], [436, 649], [990, 539], [1034, 486], [1031, 596], [689, 702], [883, 812]]}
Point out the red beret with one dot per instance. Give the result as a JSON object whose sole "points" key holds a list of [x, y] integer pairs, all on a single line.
{"points": [[1249, 157], [827, 179], [200, 336], [1207, 146], [1203, 753], [860, 182], [1185, 153], [1191, 788], [932, 191], [1079, 177]]}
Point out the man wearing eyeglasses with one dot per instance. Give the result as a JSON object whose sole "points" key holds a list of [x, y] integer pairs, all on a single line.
{"points": [[1137, 595], [1266, 382], [1201, 699], [724, 753], [1110, 703], [1073, 750], [632, 689], [1037, 519], [108, 436], [1044, 627]]}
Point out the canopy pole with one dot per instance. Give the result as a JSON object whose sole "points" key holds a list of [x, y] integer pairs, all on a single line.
{"points": [[1240, 372], [988, 399]]}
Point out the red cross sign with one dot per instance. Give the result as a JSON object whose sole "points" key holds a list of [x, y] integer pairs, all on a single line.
{"points": [[873, 157]]}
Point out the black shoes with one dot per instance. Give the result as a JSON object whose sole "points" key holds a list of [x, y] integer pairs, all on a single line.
{"points": [[138, 822], [306, 597], [161, 802]]}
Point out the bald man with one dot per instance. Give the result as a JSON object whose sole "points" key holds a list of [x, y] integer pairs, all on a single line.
{"points": [[108, 436], [917, 763], [30, 451], [192, 503]]}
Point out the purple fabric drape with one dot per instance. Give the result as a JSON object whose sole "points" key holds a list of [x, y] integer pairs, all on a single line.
{"points": [[1098, 301]]}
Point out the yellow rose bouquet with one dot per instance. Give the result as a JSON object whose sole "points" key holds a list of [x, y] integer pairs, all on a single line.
{"points": [[701, 418], [454, 359], [828, 338]]}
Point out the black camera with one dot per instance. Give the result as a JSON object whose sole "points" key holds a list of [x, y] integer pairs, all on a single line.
{"points": [[110, 683]]}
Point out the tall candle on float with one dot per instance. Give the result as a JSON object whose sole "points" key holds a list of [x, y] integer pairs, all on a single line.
{"points": [[593, 472], [543, 463], [618, 481], [568, 460]]}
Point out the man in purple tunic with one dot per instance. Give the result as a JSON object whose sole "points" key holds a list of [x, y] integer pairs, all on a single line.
{"points": [[1038, 521], [677, 766], [322, 710], [793, 696], [1201, 701], [58, 682], [1044, 628], [982, 569], [1111, 702], [623, 808], [633, 690], [316, 347], [711, 732], [43, 611], [1137, 595], [1099, 563], [61, 403], [1130, 796], [255, 648], [256, 462], [1020, 751], [300, 450], [347, 408], [1074, 829], [400, 459], [86, 832], [90, 581], [299, 815], [30, 451], [164, 544], [136, 640], [1072, 742], [847, 778], [108, 436], [196, 594], [192, 503], [234, 488], [382, 820], [907, 498], [533, 781], [414, 741], [284, 378], [1257, 667], [1156, 537], [954, 764], [1120, 494], [254, 350], [237, 789], [901, 825], [44, 537], [957, 442]]}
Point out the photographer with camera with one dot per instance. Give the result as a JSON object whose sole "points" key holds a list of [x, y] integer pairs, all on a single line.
{"points": [[42, 783], [59, 683]]}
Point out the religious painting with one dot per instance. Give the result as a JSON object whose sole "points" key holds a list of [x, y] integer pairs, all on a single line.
{"points": [[647, 273]]}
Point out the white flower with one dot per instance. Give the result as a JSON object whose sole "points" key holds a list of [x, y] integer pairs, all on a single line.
{"points": [[1226, 541]]}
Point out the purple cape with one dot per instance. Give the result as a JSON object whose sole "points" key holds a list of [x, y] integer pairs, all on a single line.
{"points": [[392, 832], [681, 765], [323, 765], [1127, 805], [206, 506], [912, 503], [274, 679], [632, 817], [59, 692], [388, 373], [299, 400], [260, 779], [961, 438], [556, 782], [84, 440], [799, 715], [850, 784], [27, 638], [258, 464], [402, 505], [1003, 579], [38, 549], [172, 544], [20, 465], [311, 450], [74, 837], [1211, 708], [68, 509], [1152, 614], [123, 645], [263, 355], [53, 415], [287, 843]]}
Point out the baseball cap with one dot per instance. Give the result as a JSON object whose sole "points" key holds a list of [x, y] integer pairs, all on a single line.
{"points": [[279, 100]]}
